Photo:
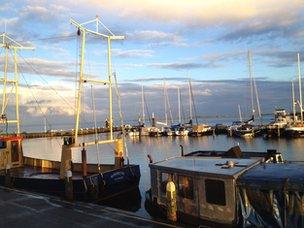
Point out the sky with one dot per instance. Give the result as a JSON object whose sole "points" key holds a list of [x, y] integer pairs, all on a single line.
{"points": [[166, 40]]}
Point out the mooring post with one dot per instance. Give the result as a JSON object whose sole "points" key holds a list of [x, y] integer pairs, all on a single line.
{"points": [[69, 186], [119, 151], [7, 180], [84, 161], [66, 167], [171, 200]]}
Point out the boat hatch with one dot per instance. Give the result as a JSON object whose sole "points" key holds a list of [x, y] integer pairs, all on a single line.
{"points": [[10, 152]]}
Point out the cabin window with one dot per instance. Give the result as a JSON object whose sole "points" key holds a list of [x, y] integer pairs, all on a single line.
{"points": [[15, 151], [215, 192], [164, 181], [2, 144], [185, 187]]}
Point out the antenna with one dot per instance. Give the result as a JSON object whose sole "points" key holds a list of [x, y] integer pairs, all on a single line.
{"points": [[9, 43], [109, 37]]}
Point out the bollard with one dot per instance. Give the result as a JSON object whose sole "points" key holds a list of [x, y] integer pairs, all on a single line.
{"points": [[171, 201], [84, 162], [119, 149], [68, 186], [7, 179]]}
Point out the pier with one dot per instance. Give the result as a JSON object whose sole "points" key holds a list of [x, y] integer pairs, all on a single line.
{"points": [[19, 209]]}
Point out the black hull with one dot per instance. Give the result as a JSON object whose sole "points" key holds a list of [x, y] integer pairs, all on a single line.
{"points": [[159, 212], [198, 134], [97, 187], [294, 134]]}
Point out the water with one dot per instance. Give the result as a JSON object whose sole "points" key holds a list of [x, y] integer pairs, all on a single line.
{"points": [[160, 149]]}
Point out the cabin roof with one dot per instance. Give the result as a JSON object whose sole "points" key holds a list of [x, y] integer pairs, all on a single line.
{"points": [[207, 165], [289, 175]]}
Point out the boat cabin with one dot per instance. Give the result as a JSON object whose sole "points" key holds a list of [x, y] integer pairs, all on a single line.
{"points": [[205, 186], [11, 155]]}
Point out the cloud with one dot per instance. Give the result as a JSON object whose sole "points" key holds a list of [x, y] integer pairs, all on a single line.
{"points": [[181, 65], [156, 38], [200, 13], [279, 58], [132, 53], [260, 29]]}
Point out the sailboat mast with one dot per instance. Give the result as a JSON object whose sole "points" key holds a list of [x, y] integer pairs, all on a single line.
{"points": [[80, 85], [110, 89], [4, 82], [190, 101], [251, 81], [11, 44], [165, 100], [293, 102], [240, 113], [82, 80], [179, 105], [142, 103], [300, 87]]}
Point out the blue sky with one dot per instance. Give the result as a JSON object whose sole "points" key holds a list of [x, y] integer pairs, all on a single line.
{"points": [[205, 40]]}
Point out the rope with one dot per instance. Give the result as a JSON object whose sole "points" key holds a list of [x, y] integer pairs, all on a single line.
{"points": [[147, 108], [45, 81], [43, 113], [55, 37], [194, 107], [95, 127], [121, 117]]}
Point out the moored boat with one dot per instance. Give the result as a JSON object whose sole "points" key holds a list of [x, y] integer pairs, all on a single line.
{"points": [[65, 178], [230, 188]]}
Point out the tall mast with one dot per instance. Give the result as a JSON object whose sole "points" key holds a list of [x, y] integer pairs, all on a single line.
{"points": [[190, 101], [300, 87], [165, 100], [81, 27], [293, 101], [179, 105], [10, 44], [143, 103], [240, 113], [250, 80], [80, 84]]}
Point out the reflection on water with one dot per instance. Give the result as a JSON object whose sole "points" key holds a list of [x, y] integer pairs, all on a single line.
{"points": [[160, 149]]}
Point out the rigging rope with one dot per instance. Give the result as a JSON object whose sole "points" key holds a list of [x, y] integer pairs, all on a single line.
{"points": [[95, 127], [47, 83], [194, 107], [121, 117], [36, 100], [147, 108]]}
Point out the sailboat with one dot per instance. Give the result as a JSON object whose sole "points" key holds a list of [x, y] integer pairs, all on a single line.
{"points": [[196, 129], [64, 178], [247, 129], [296, 129], [179, 129]]}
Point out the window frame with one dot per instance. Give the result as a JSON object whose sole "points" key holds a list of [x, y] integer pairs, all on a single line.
{"points": [[183, 194], [212, 196]]}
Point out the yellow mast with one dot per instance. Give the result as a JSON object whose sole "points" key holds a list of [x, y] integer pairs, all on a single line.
{"points": [[82, 79], [9, 43]]}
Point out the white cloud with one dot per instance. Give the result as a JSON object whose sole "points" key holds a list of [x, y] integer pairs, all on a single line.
{"points": [[131, 53]]}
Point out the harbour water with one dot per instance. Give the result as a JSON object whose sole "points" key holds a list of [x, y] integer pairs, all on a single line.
{"points": [[160, 148]]}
